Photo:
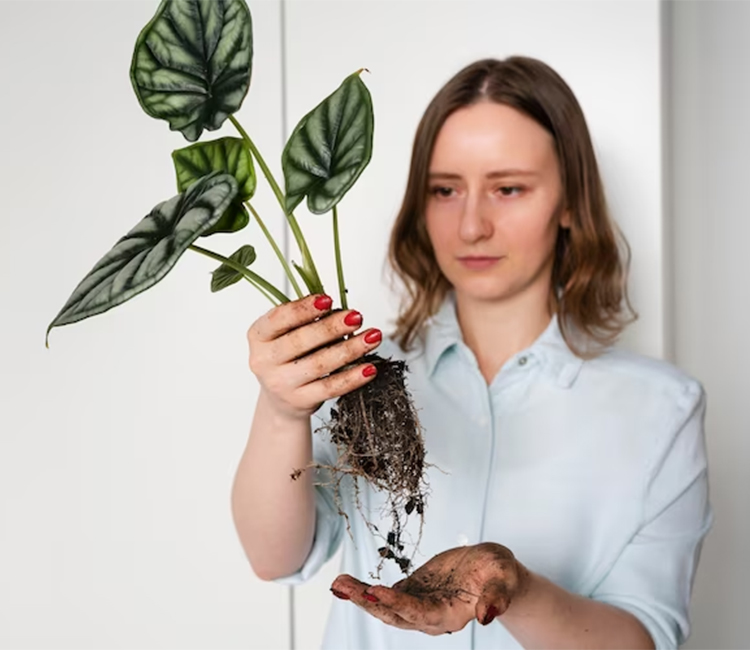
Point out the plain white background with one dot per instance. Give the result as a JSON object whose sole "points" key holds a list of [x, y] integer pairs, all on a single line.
{"points": [[118, 445], [710, 139]]}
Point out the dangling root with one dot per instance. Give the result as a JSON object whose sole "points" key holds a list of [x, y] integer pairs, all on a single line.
{"points": [[378, 438]]}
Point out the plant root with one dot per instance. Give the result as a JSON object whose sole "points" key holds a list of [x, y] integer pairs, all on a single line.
{"points": [[379, 439]]}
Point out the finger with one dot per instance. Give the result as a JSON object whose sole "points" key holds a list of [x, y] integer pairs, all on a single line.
{"points": [[316, 337], [493, 601], [334, 357], [379, 594], [379, 602], [422, 612], [338, 384], [349, 588], [432, 615], [288, 316], [387, 615], [348, 584]]}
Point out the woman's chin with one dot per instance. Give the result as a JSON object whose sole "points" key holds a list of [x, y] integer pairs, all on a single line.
{"points": [[482, 291]]}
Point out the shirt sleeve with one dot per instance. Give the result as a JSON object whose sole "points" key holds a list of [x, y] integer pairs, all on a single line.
{"points": [[653, 576], [329, 525]]}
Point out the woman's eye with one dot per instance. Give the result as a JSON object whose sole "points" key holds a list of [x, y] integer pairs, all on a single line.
{"points": [[508, 191], [441, 192]]}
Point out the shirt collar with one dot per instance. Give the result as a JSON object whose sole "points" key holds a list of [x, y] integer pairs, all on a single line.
{"points": [[550, 349]]}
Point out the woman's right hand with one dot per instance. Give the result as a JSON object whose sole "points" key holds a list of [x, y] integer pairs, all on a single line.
{"points": [[292, 356]]}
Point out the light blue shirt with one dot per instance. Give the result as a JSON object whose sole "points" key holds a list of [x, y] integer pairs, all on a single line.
{"points": [[592, 472]]}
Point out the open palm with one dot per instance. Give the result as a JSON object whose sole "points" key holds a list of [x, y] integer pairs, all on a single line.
{"points": [[445, 593]]}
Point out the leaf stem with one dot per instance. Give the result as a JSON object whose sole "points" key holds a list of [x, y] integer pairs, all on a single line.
{"points": [[276, 250], [264, 291], [339, 265], [254, 150], [265, 286], [273, 300], [307, 260]]}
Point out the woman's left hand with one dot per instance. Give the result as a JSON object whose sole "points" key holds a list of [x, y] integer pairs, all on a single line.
{"points": [[444, 594]]}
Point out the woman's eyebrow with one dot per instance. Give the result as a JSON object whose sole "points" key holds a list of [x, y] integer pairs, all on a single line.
{"points": [[512, 172], [444, 175], [494, 174]]}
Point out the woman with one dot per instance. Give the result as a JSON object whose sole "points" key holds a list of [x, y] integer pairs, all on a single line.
{"points": [[569, 499]]}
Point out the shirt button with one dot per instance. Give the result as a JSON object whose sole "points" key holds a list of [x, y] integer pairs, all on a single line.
{"points": [[522, 361], [482, 422], [462, 540]]}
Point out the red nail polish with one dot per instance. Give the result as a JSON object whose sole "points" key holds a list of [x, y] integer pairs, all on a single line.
{"points": [[371, 598], [323, 303], [373, 336], [492, 612], [353, 318], [369, 371], [340, 594]]}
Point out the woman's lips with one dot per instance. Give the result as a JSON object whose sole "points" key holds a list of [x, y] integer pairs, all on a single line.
{"points": [[478, 263]]}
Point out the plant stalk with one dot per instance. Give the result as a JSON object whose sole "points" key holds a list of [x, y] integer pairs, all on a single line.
{"points": [[265, 286], [339, 265], [276, 250], [273, 300], [307, 260]]}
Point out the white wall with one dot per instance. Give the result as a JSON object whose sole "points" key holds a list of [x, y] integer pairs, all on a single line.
{"points": [[117, 446], [710, 228], [608, 52]]}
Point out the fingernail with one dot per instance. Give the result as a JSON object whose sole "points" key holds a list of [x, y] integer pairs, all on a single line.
{"points": [[492, 612], [373, 336], [339, 594], [370, 597], [353, 318], [369, 371], [323, 303]]}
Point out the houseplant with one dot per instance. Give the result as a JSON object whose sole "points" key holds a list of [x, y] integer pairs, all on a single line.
{"points": [[192, 66]]}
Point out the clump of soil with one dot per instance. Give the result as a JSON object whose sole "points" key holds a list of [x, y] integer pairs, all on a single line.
{"points": [[436, 588], [379, 439]]}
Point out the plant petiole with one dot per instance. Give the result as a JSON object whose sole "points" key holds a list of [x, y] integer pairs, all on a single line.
{"points": [[312, 279], [339, 265], [276, 250], [270, 291]]}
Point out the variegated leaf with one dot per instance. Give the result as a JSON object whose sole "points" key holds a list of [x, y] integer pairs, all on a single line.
{"points": [[192, 63], [150, 250], [228, 155], [329, 148], [225, 275]]}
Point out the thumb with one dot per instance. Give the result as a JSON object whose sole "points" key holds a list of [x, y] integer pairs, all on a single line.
{"points": [[493, 601]]}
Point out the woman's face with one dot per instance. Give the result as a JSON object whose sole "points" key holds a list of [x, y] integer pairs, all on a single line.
{"points": [[493, 209]]}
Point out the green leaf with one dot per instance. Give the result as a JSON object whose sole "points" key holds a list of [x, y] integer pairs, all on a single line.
{"points": [[312, 285], [228, 155], [225, 275], [192, 63], [329, 148], [149, 251]]}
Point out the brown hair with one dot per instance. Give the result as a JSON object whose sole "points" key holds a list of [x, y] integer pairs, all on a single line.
{"points": [[589, 275]]}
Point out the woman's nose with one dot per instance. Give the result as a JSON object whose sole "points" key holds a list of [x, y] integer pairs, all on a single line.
{"points": [[475, 223]]}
